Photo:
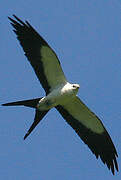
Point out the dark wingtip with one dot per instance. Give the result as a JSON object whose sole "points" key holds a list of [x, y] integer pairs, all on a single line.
{"points": [[9, 18], [19, 20], [116, 164]]}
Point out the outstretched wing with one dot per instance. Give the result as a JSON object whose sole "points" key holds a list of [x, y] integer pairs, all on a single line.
{"points": [[42, 58], [91, 130]]}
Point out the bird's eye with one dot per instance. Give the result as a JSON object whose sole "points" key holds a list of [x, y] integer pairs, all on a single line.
{"points": [[74, 86]]}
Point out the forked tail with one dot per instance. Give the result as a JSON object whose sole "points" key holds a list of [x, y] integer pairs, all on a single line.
{"points": [[33, 104]]}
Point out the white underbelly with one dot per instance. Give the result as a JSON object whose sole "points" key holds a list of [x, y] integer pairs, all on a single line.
{"points": [[59, 96]]}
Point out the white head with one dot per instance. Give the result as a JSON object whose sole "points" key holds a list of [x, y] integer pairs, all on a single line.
{"points": [[75, 87], [70, 89]]}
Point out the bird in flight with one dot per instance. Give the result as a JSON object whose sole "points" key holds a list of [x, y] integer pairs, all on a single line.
{"points": [[62, 95]]}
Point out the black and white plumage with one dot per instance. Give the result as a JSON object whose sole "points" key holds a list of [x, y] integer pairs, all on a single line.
{"points": [[61, 95]]}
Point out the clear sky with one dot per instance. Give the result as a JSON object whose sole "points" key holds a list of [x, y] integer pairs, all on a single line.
{"points": [[86, 35]]}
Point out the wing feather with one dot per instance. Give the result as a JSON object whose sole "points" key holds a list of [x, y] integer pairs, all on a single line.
{"points": [[91, 130], [40, 55]]}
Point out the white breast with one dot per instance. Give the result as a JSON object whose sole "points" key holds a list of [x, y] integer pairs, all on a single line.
{"points": [[60, 95]]}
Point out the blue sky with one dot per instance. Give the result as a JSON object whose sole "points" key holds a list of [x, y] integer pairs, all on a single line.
{"points": [[86, 35]]}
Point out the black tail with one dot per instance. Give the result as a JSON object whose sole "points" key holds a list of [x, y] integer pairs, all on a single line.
{"points": [[38, 117], [33, 104], [29, 103]]}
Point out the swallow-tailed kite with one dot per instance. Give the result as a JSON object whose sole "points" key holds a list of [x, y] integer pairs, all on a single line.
{"points": [[62, 95]]}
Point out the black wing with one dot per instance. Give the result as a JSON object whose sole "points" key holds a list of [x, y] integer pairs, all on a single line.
{"points": [[42, 58], [91, 130]]}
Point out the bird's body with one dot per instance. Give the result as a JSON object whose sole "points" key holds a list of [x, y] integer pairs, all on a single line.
{"points": [[62, 95], [59, 96]]}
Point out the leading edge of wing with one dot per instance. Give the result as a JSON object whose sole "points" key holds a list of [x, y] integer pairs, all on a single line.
{"points": [[98, 141], [40, 55]]}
